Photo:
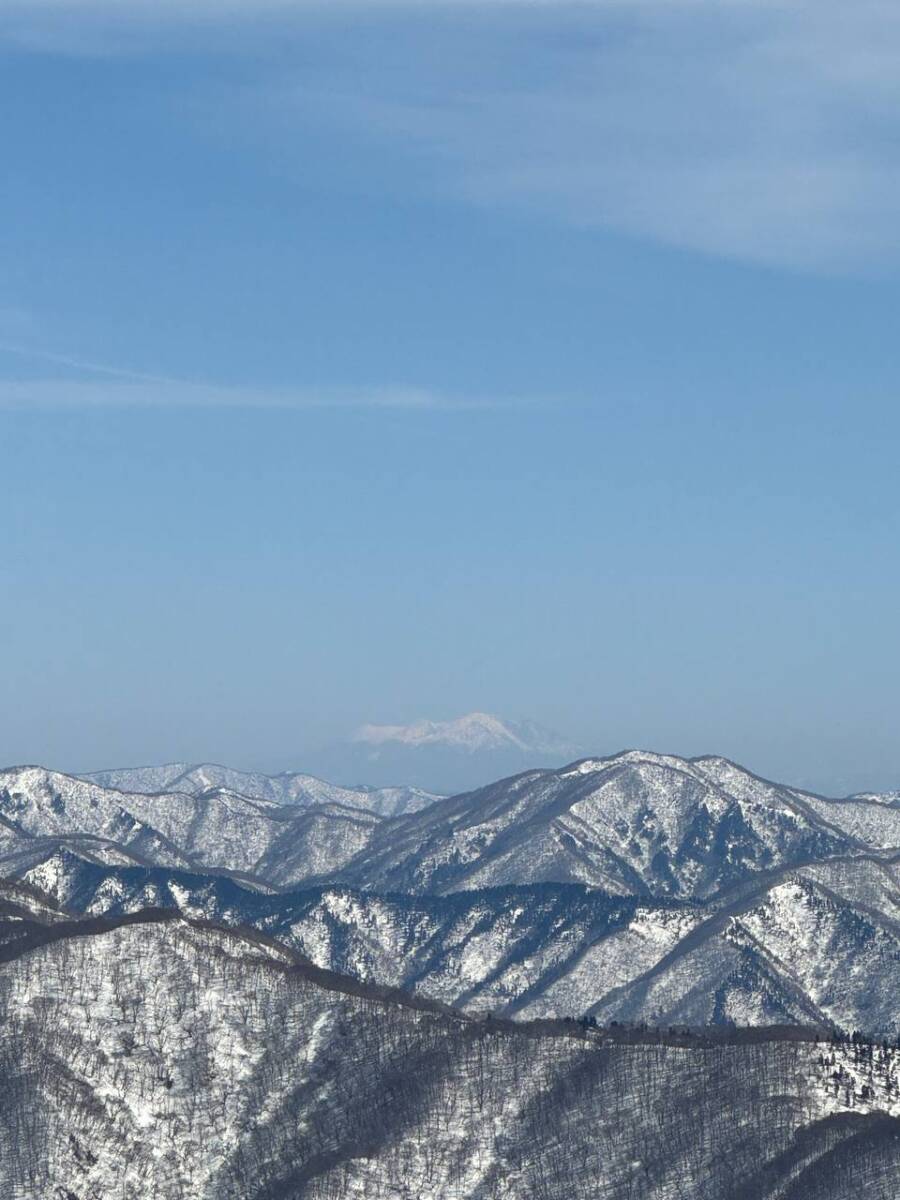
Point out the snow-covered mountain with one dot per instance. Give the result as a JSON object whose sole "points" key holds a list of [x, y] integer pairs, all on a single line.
{"points": [[212, 830], [637, 887], [634, 823], [472, 733], [153, 1056], [290, 787], [445, 756], [816, 946], [317, 843]]}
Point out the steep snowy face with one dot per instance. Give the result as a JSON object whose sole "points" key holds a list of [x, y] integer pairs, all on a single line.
{"points": [[317, 843], [308, 791], [873, 819], [791, 953], [498, 951], [868, 882], [635, 823], [159, 1058], [140, 779], [392, 801], [291, 787], [790, 950], [215, 829], [36, 803], [843, 959]]}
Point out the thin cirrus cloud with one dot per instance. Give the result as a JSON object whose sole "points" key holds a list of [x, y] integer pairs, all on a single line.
{"points": [[108, 386], [764, 131], [56, 394], [767, 133]]}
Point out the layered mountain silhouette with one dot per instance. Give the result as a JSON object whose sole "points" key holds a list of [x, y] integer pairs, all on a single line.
{"points": [[153, 1055], [639, 887], [289, 787], [634, 823]]}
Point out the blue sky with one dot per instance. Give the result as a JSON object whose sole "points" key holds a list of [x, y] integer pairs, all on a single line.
{"points": [[380, 361]]}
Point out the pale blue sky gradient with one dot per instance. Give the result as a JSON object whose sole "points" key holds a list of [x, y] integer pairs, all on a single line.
{"points": [[397, 361]]}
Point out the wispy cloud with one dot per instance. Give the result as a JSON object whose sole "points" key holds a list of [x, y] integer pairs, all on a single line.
{"points": [[118, 387], [764, 130], [768, 132], [23, 350], [250, 9], [80, 394]]}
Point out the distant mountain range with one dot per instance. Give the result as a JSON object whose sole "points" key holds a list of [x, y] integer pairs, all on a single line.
{"points": [[393, 764], [631, 976], [289, 787], [210, 828], [444, 756], [636, 887]]}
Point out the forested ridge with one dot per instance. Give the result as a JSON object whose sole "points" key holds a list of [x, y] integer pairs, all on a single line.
{"points": [[156, 1056]]}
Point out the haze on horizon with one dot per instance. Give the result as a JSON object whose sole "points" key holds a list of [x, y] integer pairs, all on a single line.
{"points": [[393, 362]]}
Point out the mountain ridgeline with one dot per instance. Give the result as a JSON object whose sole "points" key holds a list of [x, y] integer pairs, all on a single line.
{"points": [[156, 1056], [633, 978], [640, 887]]}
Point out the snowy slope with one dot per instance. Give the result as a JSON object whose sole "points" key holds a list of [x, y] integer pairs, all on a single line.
{"points": [[639, 887], [795, 955], [218, 828], [487, 950], [161, 1058], [35, 803], [318, 842], [142, 779], [636, 823], [291, 787], [792, 950], [215, 829], [872, 818]]}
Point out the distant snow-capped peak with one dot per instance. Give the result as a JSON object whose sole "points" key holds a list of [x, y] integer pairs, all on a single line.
{"points": [[473, 732]]}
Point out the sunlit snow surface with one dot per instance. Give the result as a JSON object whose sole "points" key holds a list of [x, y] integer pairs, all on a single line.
{"points": [[641, 887], [165, 1060], [290, 787], [173, 1059]]}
